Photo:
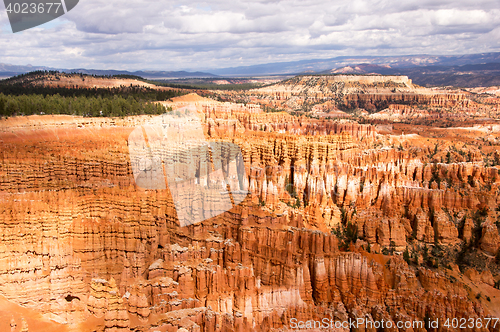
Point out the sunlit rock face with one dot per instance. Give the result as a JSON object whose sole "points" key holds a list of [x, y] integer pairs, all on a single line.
{"points": [[85, 248]]}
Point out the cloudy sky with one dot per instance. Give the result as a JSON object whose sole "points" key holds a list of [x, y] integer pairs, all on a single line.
{"points": [[196, 35]]}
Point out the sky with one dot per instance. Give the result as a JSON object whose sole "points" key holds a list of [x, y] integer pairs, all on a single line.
{"points": [[198, 35]]}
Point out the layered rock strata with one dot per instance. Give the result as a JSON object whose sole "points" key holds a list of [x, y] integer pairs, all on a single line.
{"points": [[84, 246]]}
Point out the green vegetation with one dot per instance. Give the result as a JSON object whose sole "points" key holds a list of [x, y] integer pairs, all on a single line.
{"points": [[268, 109], [346, 232], [205, 84], [435, 175], [132, 77], [466, 155], [290, 188], [19, 96], [81, 105], [434, 152], [425, 255], [478, 217], [469, 253], [406, 256], [138, 93]]}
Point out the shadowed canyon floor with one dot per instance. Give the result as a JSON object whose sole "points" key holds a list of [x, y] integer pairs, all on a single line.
{"points": [[345, 218]]}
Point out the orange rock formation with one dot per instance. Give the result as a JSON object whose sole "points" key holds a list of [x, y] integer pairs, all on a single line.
{"points": [[84, 248]]}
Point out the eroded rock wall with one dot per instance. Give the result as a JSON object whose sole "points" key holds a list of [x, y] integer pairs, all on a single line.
{"points": [[84, 246]]}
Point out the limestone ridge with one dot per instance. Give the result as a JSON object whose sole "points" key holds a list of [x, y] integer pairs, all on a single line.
{"points": [[371, 79], [346, 92]]}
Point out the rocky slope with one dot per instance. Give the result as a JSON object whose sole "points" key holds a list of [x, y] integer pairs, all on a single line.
{"points": [[348, 92], [84, 247]]}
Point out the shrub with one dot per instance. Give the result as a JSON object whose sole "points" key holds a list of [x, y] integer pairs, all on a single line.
{"points": [[406, 256]]}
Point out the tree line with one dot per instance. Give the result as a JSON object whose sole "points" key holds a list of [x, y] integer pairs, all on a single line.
{"points": [[136, 92], [12, 105]]}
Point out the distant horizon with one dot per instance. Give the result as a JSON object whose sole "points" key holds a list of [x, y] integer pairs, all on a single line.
{"points": [[256, 64], [208, 70]]}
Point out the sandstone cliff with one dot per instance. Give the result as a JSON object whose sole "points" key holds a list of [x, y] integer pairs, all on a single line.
{"points": [[84, 246]]}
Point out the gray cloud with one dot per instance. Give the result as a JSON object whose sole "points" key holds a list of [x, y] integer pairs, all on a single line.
{"points": [[173, 35]]}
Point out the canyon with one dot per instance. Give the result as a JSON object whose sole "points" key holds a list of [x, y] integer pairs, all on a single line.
{"points": [[381, 215]]}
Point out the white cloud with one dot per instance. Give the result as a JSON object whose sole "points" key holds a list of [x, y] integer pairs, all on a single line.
{"points": [[457, 17]]}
